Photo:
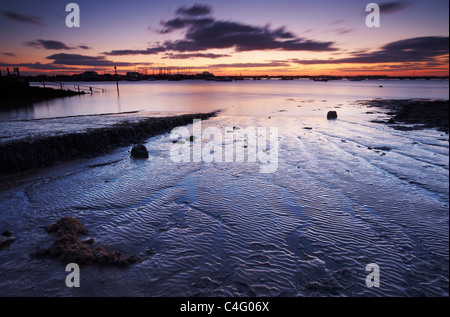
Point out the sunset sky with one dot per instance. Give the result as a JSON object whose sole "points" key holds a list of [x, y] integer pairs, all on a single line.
{"points": [[226, 37]]}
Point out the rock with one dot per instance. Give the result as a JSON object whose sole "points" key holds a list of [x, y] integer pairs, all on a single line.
{"points": [[67, 225], [89, 241], [5, 241], [139, 151], [331, 115], [383, 148], [7, 233], [67, 246], [151, 251]]}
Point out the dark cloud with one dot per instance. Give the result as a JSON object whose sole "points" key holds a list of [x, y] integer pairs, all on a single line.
{"points": [[202, 34], [215, 34], [336, 22], [148, 51], [54, 45], [9, 54], [195, 10], [23, 18], [48, 44], [341, 31], [38, 66], [83, 60], [194, 55], [394, 6], [180, 23], [419, 49]]}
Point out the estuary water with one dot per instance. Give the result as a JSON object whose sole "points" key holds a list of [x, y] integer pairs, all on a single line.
{"points": [[346, 193]]}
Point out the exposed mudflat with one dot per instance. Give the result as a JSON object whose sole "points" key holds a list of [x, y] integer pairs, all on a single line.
{"points": [[346, 193]]}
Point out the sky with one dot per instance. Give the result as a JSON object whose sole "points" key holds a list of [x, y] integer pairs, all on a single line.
{"points": [[232, 37]]}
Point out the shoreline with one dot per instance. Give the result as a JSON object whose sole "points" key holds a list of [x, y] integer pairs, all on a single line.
{"points": [[17, 93], [21, 155]]}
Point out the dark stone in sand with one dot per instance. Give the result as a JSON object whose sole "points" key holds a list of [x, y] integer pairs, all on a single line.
{"points": [[7, 233], [67, 225], [307, 128], [68, 248], [89, 241], [383, 148], [5, 241], [332, 115], [139, 151]]}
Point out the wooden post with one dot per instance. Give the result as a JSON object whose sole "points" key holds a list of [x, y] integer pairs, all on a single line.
{"points": [[117, 82]]}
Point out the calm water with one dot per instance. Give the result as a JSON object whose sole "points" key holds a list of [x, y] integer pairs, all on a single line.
{"points": [[237, 98], [224, 229]]}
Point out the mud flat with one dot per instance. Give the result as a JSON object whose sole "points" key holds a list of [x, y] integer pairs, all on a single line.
{"points": [[417, 114], [20, 155]]}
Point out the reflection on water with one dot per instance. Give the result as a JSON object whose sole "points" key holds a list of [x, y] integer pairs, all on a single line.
{"points": [[238, 98]]}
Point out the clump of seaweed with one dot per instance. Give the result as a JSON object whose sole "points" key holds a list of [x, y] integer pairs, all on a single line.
{"points": [[68, 247]]}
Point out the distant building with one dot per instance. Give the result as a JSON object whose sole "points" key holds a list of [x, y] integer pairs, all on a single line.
{"points": [[204, 75], [133, 76], [89, 75]]}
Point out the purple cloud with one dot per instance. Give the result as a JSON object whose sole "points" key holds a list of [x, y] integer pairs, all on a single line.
{"points": [[32, 19]]}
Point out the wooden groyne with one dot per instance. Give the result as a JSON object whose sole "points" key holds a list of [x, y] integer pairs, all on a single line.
{"points": [[20, 155]]}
